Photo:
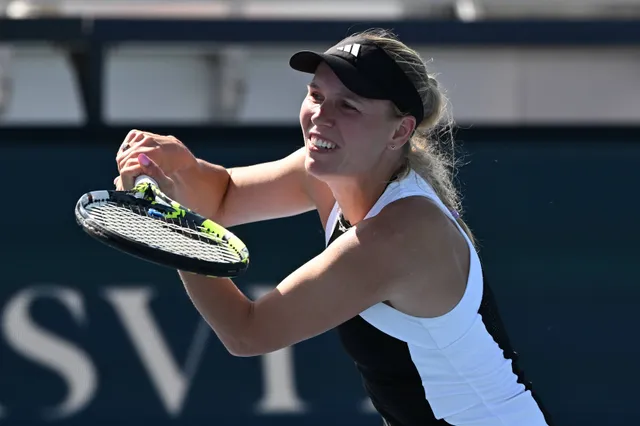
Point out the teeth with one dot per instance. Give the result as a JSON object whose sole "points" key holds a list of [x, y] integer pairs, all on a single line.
{"points": [[322, 144]]}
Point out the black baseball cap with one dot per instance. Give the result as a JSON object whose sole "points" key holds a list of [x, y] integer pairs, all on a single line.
{"points": [[367, 70]]}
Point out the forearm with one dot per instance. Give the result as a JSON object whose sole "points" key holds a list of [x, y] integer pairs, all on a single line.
{"points": [[262, 191], [207, 185], [225, 308]]}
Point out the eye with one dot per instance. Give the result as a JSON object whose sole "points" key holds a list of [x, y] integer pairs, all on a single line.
{"points": [[348, 106], [315, 96]]}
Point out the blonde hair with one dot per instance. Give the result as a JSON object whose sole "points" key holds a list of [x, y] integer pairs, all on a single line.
{"points": [[425, 151]]}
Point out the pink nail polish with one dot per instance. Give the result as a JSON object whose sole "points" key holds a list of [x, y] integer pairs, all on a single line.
{"points": [[144, 160]]}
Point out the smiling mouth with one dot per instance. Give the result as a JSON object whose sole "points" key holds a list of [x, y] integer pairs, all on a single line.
{"points": [[321, 144]]}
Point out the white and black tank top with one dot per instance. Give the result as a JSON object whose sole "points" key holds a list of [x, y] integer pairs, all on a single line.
{"points": [[456, 369]]}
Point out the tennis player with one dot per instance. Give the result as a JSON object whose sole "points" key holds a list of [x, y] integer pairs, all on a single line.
{"points": [[400, 278]]}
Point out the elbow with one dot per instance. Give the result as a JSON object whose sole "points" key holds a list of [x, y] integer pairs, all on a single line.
{"points": [[241, 348], [240, 353], [249, 342], [251, 348], [245, 349]]}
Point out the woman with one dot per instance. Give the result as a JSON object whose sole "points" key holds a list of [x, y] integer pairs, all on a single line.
{"points": [[399, 279]]}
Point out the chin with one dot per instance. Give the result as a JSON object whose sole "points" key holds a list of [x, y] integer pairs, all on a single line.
{"points": [[317, 168], [312, 165], [321, 170]]}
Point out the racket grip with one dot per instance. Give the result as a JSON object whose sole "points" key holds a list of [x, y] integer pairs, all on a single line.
{"points": [[145, 179]]}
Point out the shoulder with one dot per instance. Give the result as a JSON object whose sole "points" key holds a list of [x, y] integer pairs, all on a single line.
{"points": [[420, 248], [410, 220], [404, 230], [410, 254]]}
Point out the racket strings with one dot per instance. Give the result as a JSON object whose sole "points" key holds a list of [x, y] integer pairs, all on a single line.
{"points": [[177, 236]]}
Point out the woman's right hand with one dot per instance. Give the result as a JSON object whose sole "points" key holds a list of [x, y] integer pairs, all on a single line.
{"points": [[192, 184], [169, 153]]}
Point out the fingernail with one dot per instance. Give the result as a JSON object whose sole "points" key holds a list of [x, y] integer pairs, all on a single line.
{"points": [[144, 160]]}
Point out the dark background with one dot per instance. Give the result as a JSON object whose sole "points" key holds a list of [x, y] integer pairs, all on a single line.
{"points": [[554, 211]]}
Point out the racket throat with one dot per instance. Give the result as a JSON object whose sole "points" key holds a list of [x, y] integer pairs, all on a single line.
{"points": [[147, 193]]}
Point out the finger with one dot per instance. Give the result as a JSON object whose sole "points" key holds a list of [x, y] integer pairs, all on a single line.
{"points": [[151, 169], [129, 163], [117, 182], [143, 139], [135, 167], [129, 174], [132, 138], [122, 159], [132, 134], [129, 139]]}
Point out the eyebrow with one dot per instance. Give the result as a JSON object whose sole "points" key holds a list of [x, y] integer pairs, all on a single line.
{"points": [[345, 93]]}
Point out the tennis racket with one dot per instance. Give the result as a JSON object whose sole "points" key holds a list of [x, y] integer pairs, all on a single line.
{"points": [[147, 224]]}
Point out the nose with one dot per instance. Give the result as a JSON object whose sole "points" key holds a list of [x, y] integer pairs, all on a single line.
{"points": [[323, 115]]}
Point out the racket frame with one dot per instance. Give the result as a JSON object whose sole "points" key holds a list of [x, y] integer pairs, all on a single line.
{"points": [[143, 185]]}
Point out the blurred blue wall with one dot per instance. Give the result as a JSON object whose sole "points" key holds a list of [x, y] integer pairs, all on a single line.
{"points": [[555, 214]]}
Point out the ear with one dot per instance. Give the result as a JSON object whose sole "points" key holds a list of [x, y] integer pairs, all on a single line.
{"points": [[403, 132]]}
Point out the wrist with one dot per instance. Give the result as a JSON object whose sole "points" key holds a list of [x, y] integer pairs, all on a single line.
{"points": [[206, 185]]}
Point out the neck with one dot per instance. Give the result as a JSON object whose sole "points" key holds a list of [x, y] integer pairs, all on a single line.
{"points": [[357, 195]]}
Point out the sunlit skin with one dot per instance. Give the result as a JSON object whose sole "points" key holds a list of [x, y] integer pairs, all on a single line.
{"points": [[368, 138]]}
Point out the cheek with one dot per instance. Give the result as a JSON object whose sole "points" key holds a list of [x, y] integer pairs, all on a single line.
{"points": [[305, 114], [363, 134]]}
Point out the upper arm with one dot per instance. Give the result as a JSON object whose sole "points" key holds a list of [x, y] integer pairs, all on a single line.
{"points": [[272, 190], [352, 274]]}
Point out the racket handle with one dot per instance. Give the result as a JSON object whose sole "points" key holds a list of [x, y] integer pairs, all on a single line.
{"points": [[148, 179], [145, 179]]}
